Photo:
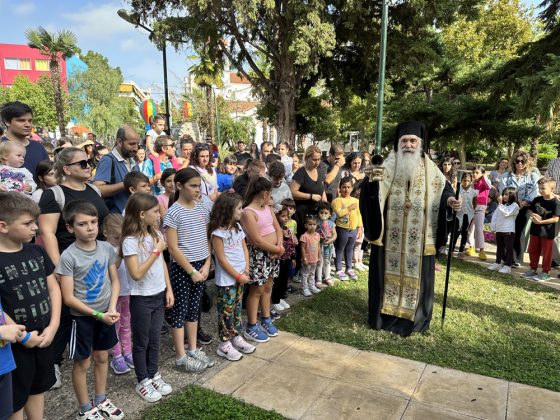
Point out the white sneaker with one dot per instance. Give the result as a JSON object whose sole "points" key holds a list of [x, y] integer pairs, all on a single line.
{"points": [[160, 385], [306, 293], [229, 352], [363, 266], [505, 270], [357, 266], [147, 392], [285, 304], [200, 355], [494, 267], [241, 345], [190, 364], [314, 289], [58, 376], [92, 414], [278, 307]]}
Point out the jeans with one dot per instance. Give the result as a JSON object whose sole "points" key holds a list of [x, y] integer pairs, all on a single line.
{"points": [[308, 276], [344, 244]]}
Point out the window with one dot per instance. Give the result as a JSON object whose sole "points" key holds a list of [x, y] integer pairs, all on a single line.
{"points": [[24, 64], [42, 65], [17, 63]]}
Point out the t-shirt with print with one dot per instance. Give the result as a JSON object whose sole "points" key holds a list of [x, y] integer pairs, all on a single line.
{"points": [[153, 282], [24, 293], [191, 226], [233, 251], [312, 242], [16, 179], [546, 209], [7, 363], [90, 270]]}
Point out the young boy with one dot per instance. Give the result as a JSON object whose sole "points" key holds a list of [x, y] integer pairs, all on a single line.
{"points": [[136, 182], [30, 296], [90, 288], [544, 212]]}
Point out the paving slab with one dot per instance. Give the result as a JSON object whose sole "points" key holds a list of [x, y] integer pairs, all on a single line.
{"points": [[528, 402], [419, 411], [235, 375], [470, 394], [344, 401], [384, 373], [275, 346]]}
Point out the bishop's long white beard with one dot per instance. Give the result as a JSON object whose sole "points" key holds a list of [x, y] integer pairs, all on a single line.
{"points": [[407, 163]]}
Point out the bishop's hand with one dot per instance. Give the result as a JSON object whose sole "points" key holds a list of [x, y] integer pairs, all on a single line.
{"points": [[455, 203]]}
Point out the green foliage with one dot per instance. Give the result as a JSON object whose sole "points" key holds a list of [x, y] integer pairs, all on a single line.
{"points": [[547, 153], [39, 96], [198, 403], [234, 129]]}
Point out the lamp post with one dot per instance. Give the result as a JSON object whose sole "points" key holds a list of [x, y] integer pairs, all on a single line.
{"points": [[381, 83], [135, 20]]}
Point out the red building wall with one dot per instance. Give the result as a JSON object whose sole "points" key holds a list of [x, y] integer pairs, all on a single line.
{"points": [[9, 52]]}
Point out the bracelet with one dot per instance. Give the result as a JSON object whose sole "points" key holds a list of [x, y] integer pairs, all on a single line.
{"points": [[25, 338], [194, 270], [97, 315], [238, 277], [156, 253]]}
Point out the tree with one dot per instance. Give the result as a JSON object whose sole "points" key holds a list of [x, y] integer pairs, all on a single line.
{"points": [[38, 95], [94, 98], [59, 46]]}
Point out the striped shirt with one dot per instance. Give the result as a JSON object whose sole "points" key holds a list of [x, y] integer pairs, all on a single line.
{"points": [[191, 226]]}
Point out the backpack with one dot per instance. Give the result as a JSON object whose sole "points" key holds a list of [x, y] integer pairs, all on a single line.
{"points": [[60, 198]]}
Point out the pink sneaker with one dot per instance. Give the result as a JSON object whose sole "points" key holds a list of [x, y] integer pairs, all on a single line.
{"points": [[241, 345], [229, 352]]}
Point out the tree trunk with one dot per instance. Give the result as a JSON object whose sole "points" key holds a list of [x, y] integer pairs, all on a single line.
{"points": [[265, 130], [462, 153], [209, 110], [58, 99]]}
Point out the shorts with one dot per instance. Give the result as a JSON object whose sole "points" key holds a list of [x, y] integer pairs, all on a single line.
{"points": [[6, 395], [90, 334], [34, 373], [261, 266], [187, 295]]}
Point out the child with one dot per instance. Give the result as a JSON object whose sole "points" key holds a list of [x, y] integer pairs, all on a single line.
{"points": [[327, 232], [150, 291], [156, 130], [90, 288], [348, 225], [290, 205], [544, 212], [186, 225], [25, 291], [265, 247], [476, 230], [145, 165], [226, 174], [13, 176], [465, 215], [232, 268], [135, 181], [122, 351], [503, 224], [168, 183], [287, 161], [287, 260], [310, 255], [44, 178]]}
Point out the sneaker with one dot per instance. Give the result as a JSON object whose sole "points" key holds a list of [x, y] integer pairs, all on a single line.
{"points": [[202, 337], [352, 274], [109, 410], [58, 376], [296, 279], [200, 355], [482, 255], [274, 315], [160, 385], [342, 276], [529, 274], [314, 289], [363, 266], [320, 285], [443, 250], [460, 255], [164, 328], [119, 366], [242, 345], [306, 293], [494, 267], [269, 328], [470, 252], [190, 364], [278, 307], [129, 361], [229, 352], [505, 270], [147, 391], [542, 277], [254, 333], [285, 304], [515, 265], [92, 414]]}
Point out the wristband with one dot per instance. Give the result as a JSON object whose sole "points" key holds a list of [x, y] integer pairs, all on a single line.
{"points": [[25, 338], [194, 270], [97, 315], [157, 253], [238, 276]]}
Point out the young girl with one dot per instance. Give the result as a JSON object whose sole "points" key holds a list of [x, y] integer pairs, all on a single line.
{"points": [[186, 225], [44, 178], [122, 351], [168, 182], [348, 226], [150, 291], [232, 268], [503, 224], [290, 204], [287, 161], [327, 232], [310, 254], [287, 260], [466, 214], [227, 173], [201, 163], [265, 247], [476, 230]]}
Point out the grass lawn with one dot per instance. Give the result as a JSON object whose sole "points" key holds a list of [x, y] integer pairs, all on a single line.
{"points": [[495, 325], [197, 403]]}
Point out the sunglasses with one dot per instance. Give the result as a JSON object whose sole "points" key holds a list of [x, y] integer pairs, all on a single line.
{"points": [[83, 164], [456, 163], [520, 161]]}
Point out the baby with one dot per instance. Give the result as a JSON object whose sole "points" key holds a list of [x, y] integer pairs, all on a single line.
{"points": [[13, 176]]}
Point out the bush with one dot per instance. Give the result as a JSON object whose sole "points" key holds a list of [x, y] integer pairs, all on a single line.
{"points": [[547, 153]]}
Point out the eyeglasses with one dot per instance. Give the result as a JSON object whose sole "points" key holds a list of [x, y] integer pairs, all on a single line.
{"points": [[520, 161], [457, 162], [83, 164]]}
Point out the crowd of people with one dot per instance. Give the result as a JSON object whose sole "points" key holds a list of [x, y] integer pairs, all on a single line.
{"points": [[101, 251]]}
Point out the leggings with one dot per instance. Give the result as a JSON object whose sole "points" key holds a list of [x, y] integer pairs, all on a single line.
{"points": [[476, 230], [463, 231], [344, 244], [281, 283], [504, 251], [520, 239], [228, 304], [122, 326]]}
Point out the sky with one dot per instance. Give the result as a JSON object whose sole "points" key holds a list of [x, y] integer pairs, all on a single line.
{"points": [[98, 27]]}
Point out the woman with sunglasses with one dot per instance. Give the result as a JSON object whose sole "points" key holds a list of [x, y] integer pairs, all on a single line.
{"points": [[202, 164], [522, 177], [73, 172]]}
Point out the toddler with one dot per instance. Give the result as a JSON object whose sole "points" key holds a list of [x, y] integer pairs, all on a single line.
{"points": [[13, 176], [503, 224], [327, 232], [310, 255]]}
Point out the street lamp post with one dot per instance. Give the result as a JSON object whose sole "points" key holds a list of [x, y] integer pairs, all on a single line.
{"points": [[381, 83], [134, 20]]}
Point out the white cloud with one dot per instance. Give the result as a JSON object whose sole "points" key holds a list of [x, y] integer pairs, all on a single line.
{"points": [[130, 44], [24, 9]]}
